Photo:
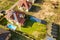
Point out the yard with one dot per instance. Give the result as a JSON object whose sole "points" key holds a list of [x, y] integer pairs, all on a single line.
{"points": [[34, 29], [6, 4], [31, 29]]}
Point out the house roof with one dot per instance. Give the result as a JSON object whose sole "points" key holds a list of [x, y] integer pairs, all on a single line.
{"points": [[10, 15], [24, 3], [20, 17], [4, 34]]}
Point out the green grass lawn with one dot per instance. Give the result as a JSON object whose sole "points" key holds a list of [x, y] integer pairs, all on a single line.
{"points": [[35, 27]]}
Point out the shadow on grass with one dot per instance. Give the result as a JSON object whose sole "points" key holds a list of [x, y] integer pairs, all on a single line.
{"points": [[34, 8], [25, 34], [17, 36], [39, 1], [28, 22], [3, 22]]}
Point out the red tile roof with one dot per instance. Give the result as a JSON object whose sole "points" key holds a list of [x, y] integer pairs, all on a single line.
{"points": [[24, 3], [20, 19]]}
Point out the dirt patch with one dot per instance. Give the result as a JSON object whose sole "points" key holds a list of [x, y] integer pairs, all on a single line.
{"points": [[47, 13]]}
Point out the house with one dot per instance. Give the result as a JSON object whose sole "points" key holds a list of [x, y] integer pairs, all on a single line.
{"points": [[18, 17], [15, 16], [25, 4]]}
